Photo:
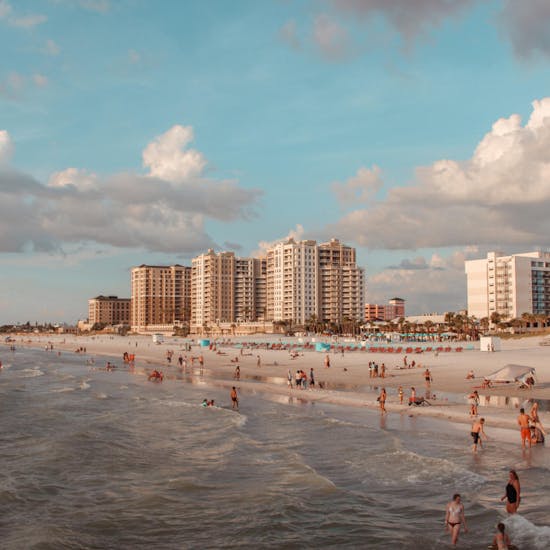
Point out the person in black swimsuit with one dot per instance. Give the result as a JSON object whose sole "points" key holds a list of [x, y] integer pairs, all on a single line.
{"points": [[512, 495]]}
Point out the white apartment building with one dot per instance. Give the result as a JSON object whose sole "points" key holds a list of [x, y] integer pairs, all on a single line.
{"points": [[292, 284], [161, 297], [509, 285], [109, 310]]}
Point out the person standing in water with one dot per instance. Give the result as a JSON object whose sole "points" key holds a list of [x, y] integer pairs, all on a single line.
{"points": [[382, 400], [523, 422], [477, 432], [512, 495], [234, 399], [454, 518], [501, 540]]}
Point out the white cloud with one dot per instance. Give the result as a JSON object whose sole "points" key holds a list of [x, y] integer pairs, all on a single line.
{"points": [[263, 246], [6, 147], [5, 9], [40, 80], [51, 48], [167, 157], [331, 38], [359, 188], [27, 21], [123, 210], [501, 195], [289, 34]]}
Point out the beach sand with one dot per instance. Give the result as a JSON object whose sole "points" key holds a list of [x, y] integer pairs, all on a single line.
{"points": [[347, 380]]}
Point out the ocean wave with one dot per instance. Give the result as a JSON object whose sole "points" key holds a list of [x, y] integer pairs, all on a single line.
{"points": [[84, 385], [62, 390], [31, 373], [101, 395], [525, 534]]}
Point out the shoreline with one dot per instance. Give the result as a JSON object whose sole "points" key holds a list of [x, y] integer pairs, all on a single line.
{"points": [[347, 380]]}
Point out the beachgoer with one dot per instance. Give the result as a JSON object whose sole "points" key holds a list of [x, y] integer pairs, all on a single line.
{"points": [[477, 432], [383, 371], [405, 361], [311, 378], [298, 378], [512, 495], [258, 361], [533, 416], [234, 398], [382, 400], [523, 422], [237, 373], [412, 398], [427, 377], [470, 375], [304, 379], [327, 361], [400, 392], [501, 540], [473, 401], [205, 402], [454, 518], [289, 378]]}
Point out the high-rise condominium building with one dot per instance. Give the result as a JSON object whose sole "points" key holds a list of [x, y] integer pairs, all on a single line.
{"points": [[212, 289], [109, 310], [161, 297], [509, 285], [292, 285], [342, 292]]}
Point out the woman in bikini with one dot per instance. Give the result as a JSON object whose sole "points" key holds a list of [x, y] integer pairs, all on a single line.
{"points": [[512, 495], [454, 518]]}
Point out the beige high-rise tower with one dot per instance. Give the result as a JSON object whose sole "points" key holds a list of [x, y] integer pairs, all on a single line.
{"points": [[161, 297], [342, 283]]}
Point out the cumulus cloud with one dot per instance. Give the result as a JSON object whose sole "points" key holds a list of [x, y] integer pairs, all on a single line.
{"points": [[359, 188], [168, 157], [331, 38], [526, 25], [121, 210], [14, 85], [410, 18], [6, 147], [500, 195], [263, 246], [51, 48], [288, 33], [40, 80]]}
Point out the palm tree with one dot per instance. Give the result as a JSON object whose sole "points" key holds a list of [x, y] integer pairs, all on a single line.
{"points": [[495, 318]]}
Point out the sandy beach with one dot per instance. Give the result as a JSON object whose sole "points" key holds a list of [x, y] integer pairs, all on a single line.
{"points": [[346, 381]]}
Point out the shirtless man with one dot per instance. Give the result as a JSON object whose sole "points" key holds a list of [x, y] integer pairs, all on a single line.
{"points": [[477, 432], [234, 398], [454, 518], [523, 422]]}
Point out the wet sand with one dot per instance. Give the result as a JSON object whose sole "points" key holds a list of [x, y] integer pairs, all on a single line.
{"points": [[347, 380]]}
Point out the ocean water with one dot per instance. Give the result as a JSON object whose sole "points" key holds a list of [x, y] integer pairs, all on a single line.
{"points": [[96, 459]]}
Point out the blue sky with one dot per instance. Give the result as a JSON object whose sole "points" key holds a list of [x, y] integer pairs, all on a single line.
{"points": [[143, 132]]}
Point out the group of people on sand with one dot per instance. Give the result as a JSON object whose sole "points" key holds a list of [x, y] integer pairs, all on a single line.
{"points": [[376, 371], [455, 518]]}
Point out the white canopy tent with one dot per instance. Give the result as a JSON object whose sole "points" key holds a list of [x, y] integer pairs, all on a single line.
{"points": [[512, 373]]}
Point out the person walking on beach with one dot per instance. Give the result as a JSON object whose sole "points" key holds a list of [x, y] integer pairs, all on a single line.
{"points": [[327, 361], [234, 398], [289, 379], [428, 378], [258, 361], [400, 392], [382, 400], [523, 422], [512, 496], [454, 518], [311, 378], [477, 432], [237, 373], [383, 371]]}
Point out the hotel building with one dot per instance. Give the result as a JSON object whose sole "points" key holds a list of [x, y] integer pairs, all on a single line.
{"points": [[342, 292], [509, 285], [109, 310], [394, 309], [292, 281], [161, 297]]}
